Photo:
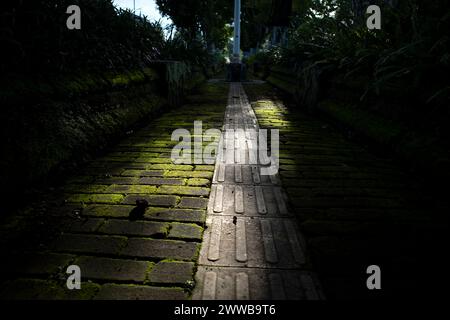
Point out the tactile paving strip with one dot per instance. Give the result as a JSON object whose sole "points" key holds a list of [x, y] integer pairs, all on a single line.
{"points": [[255, 284], [242, 174], [248, 200], [252, 242], [252, 248]]}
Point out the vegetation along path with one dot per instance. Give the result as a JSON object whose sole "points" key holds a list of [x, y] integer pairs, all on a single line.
{"points": [[87, 221], [141, 227]]}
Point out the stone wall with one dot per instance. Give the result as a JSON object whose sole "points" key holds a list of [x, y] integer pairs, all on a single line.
{"points": [[51, 124]]}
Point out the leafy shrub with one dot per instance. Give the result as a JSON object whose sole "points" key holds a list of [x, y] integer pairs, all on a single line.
{"points": [[35, 38], [407, 61]]}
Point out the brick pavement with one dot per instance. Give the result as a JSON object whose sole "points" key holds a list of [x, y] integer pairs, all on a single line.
{"points": [[223, 230], [86, 221]]}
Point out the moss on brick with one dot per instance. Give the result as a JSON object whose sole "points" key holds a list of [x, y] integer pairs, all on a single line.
{"points": [[37, 289], [173, 272], [116, 211], [204, 168], [154, 161], [95, 198], [181, 215], [170, 167], [199, 182], [189, 174], [127, 189], [85, 188], [183, 190], [185, 231], [146, 155]]}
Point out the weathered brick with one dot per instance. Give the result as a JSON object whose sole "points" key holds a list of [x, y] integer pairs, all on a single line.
{"points": [[193, 203], [154, 160], [204, 168], [82, 225], [134, 165], [55, 210], [147, 154], [161, 151], [160, 144], [182, 215], [84, 188], [179, 167], [172, 272], [90, 243], [36, 289], [142, 173], [95, 198], [199, 182], [182, 190], [37, 263], [185, 231], [113, 269], [135, 228], [135, 292], [115, 211], [189, 174], [153, 200], [131, 189], [102, 172], [160, 181], [161, 249]]}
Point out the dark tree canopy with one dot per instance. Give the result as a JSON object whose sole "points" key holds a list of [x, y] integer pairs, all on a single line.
{"points": [[207, 17], [34, 37]]}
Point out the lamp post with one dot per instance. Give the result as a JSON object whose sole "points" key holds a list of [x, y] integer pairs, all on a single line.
{"points": [[235, 67], [237, 32]]}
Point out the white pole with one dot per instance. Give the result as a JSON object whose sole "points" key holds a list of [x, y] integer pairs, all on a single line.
{"points": [[237, 31]]}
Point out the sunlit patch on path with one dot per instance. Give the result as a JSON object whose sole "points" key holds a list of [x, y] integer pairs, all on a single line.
{"points": [[252, 248]]}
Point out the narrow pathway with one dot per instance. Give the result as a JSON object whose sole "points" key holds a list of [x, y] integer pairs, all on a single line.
{"points": [[86, 222], [226, 231], [251, 248]]}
